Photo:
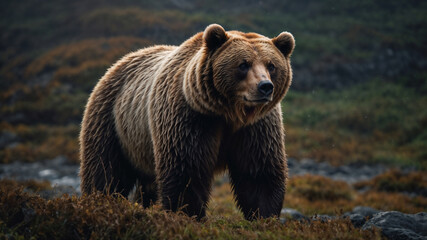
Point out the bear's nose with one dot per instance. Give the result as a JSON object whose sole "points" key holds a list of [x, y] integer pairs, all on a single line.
{"points": [[265, 87]]}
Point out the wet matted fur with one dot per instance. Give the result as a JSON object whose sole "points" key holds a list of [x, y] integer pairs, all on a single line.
{"points": [[167, 118]]}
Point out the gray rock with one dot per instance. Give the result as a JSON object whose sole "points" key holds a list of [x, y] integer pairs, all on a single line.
{"points": [[323, 218], [292, 213], [283, 220], [7, 138], [357, 220], [397, 225], [58, 171], [360, 214], [365, 211], [59, 161], [349, 173], [291, 162]]}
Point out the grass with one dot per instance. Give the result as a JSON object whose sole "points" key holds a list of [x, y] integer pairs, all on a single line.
{"points": [[25, 215], [396, 181], [372, 122], [40, 142], [320, 195]]}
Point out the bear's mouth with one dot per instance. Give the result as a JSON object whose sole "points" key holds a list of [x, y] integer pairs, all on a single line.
{"points": [[258, 100]]}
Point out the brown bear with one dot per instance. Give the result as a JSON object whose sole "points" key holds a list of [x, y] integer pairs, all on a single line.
{"points": [[167, 118]]}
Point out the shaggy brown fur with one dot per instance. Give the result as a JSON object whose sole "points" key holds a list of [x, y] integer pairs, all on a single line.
{"points": [[167, 118]]}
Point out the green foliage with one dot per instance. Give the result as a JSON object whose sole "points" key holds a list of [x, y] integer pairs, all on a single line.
{"points": [[376, 121]]}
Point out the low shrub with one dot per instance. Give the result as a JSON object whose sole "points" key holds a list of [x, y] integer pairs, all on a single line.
{"points": [[313, 187], [24, 216], [397, 181]]}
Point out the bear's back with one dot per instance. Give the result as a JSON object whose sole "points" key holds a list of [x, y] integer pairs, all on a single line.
{"points": [[132, 126]]}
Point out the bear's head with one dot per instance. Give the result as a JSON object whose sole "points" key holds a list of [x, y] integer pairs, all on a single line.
{"points": [[241, 76]]}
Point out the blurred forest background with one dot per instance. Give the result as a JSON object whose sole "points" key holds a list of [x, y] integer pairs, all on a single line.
{"points": [[359, 92]]}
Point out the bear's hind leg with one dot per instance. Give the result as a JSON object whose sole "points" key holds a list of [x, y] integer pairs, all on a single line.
{"points": [[146, 190], [105, 168]]}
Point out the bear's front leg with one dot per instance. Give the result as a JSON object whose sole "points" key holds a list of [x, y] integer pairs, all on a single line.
{"points": [[185, 153], [258, 168]]}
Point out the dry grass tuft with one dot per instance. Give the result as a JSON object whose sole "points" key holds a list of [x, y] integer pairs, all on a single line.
{"points": [[314, 187], [32, 185]]}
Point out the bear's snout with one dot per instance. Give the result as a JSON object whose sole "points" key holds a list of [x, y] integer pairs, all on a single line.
{"points": [[265, 88]]}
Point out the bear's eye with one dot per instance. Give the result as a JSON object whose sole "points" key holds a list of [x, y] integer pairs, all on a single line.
{"points": [[244, 67], [271, 67]]}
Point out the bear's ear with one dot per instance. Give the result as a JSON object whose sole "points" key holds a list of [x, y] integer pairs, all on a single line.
{"points": [[214, 36], [285, 42]]}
